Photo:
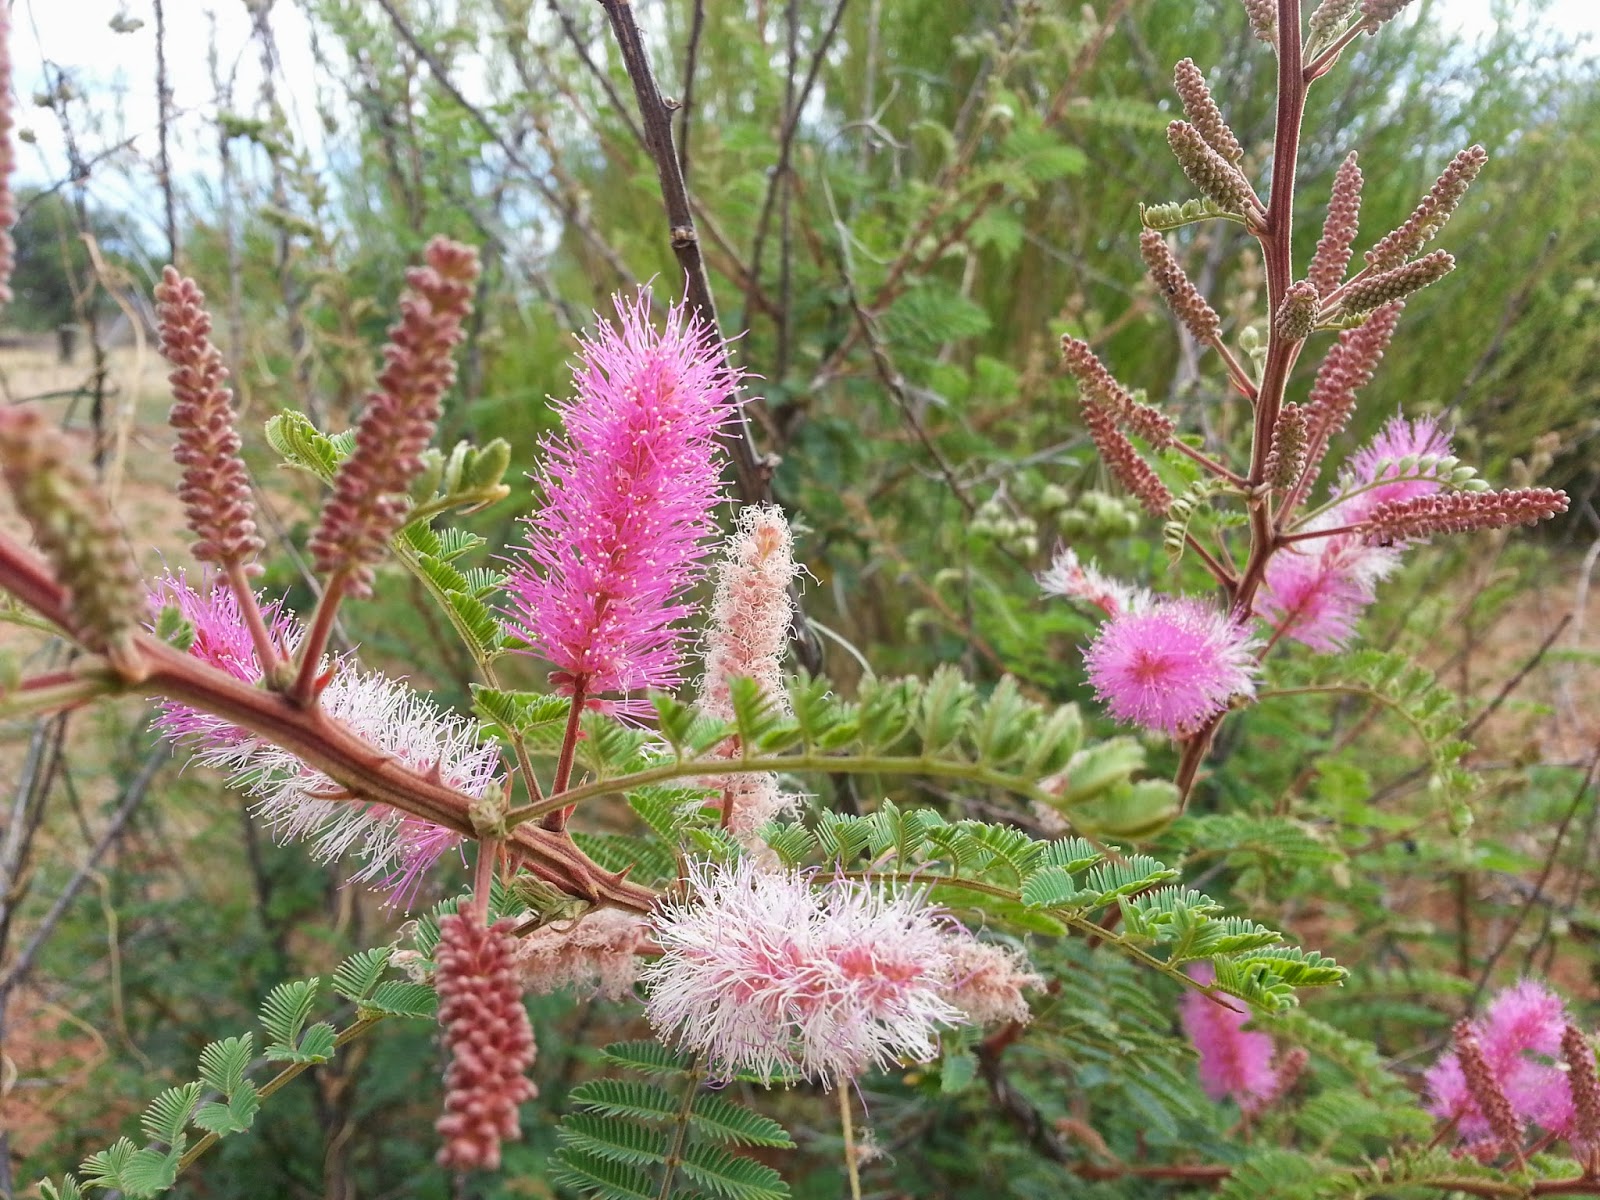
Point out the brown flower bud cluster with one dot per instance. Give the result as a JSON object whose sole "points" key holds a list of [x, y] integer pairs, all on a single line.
{"points": [[1332, 257], [1585, 1084], [1297, 312], [1185, 300], [489, 1038], [1460, 512], [1286, 457], [1212, 175], [370, 499], [216, 489], [74, 527], [1346, 369], [1328, 16], [1486, 1090], [8, 124], [1263, 16], [1431, 213], [1203, 113], [1098, 384], [1124, 462], [1388, 286], [1377, 12]]}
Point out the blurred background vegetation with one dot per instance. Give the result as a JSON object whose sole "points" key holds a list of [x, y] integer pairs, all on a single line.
{"points": [[904, 204]]}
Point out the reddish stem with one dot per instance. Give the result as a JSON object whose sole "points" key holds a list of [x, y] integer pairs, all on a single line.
{"points": [[266, 652], [303, 691], [557, 819]]}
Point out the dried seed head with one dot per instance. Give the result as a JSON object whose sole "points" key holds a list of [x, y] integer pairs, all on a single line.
{"points": [[1431, 213], [370, 498], [1460, 512], [1389, 286], [1123, 460], [1297, 313], [1097, 384], [1263, 16], [74, 528], [1332, 257], [1287, 456], [1203, 112], [216, 488], [1213, 175], [1185, 300], [490, 1040]]}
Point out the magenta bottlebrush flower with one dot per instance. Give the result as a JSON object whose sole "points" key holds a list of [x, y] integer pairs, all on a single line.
{"points": [[1234, 1062], [628, 497], [762, 972], [296, 799], [1170, 664], [1520, 1036]]}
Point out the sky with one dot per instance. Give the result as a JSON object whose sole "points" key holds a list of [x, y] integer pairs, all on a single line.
{"points": [[82, 36]]}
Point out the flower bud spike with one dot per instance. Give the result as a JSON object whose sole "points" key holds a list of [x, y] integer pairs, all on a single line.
{"points": [[1124, 461], [1328, 16], [1377, 12], [1367, 294], [1578, 1055], [1332, 257], [1203, 113], [1286, 458], [1212, 175], [1485, 1089], [1297, 314], [1460, 512], [216, 488], [75, 530], [1431, 213], [1098, 384], [1185, 300], [370, 492], [1263, 16]]}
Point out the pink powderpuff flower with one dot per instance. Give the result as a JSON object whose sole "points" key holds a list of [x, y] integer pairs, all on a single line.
{"points": [[598, 590], [596, 954], [300, 802], [1171, 664], [762, 972], [1234, 1062], [1520, 1036], [1380, 459], [1066, 576], [1314, 592], [987, 981]]}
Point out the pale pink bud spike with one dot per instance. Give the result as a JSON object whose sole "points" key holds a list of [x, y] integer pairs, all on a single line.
{"points": [[1097, 384], [490, 1041], [370, 498], [1460, 512], [1578, 1054], [1185, 300], [1263, 16], [1297, 313], [216, 488], [1504, 1121], [1212, 175], [1203, 113], [1332, 257], [1386, 287], [1431, 213], [1328, 16], [751, 610], [1287, 456], [1377, 12], [1345, 370], [1124, 462]]}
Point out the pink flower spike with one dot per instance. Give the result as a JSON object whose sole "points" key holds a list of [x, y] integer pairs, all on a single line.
{"points": [[762, 972], [1170, 665], [1379, 459], [1068, 577], [1233, 1062], [598, 591]]}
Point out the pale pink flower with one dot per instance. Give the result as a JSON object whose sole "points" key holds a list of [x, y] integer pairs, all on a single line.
{"points": [[1380, 459], [300, 802], [1234, 1062], [1068, 577], [1315, 591], [1170, 665], [762, 972], [595, 954], [987, 981], [1520, 1036], [598, 591], [751, 610]]}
